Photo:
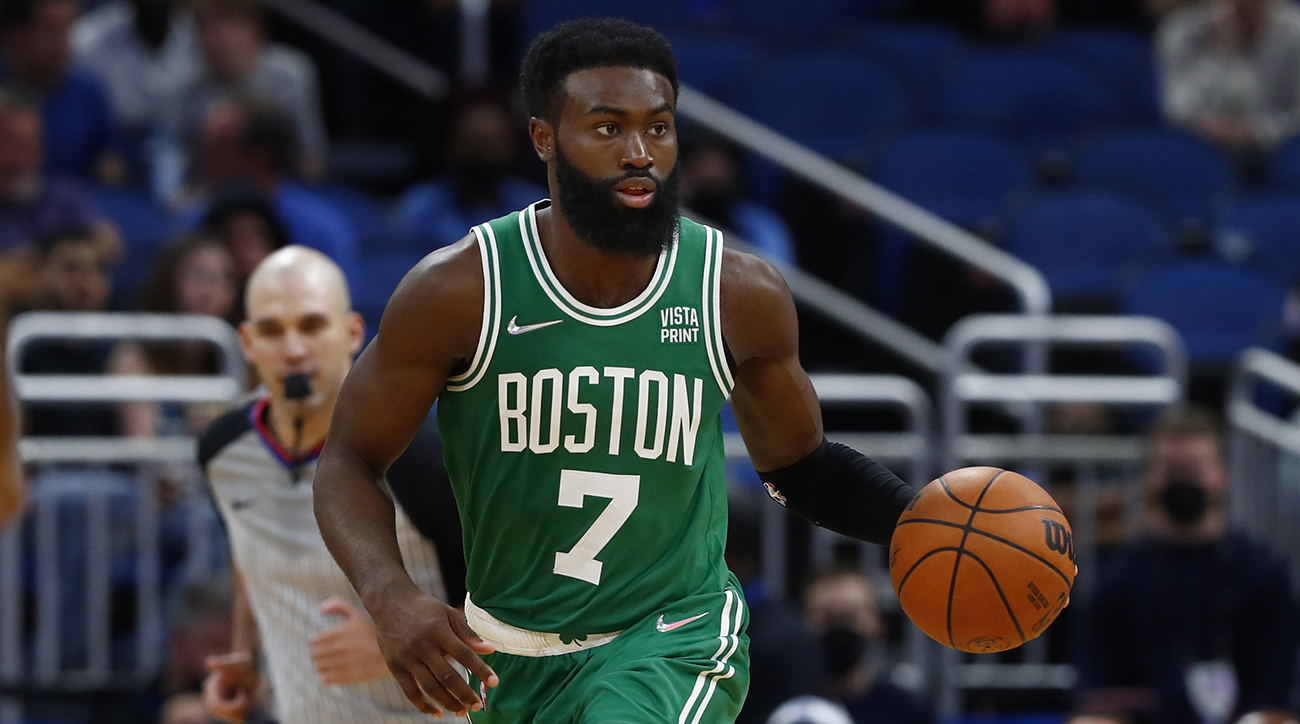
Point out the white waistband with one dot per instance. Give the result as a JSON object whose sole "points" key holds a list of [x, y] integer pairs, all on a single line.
{"points": [[520, 641]]}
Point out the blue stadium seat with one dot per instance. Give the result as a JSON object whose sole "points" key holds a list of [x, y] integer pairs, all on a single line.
{"points": [[922, 51], [1032, 95], [966, 177], [1265, 230], [379, 275], [1084, 242], [1284, 170], [367, 216], [975, 166], [1182, 174], [713, 64], [783, 18], [832, 101], [1219, 308], [1121, 59]]}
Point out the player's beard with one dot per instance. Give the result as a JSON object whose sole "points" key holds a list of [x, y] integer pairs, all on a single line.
{"points": [[592, 209]]}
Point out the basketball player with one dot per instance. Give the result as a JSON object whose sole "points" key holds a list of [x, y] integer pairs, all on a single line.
{"points": [[301, 334], [580, 351]]}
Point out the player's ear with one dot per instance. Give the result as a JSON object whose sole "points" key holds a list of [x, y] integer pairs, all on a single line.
{"points": [[542, 134], [245, 337], [356, 332]]}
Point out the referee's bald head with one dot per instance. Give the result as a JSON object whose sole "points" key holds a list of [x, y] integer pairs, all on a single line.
{"points": [[296, 268], [300, 321]]}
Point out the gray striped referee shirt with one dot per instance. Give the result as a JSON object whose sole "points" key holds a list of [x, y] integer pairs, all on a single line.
{"points": [[266, 502]]}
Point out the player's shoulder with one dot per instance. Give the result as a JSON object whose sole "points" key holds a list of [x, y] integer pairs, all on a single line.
{"points": [[444, 274], [749, 279], [223, 431]]}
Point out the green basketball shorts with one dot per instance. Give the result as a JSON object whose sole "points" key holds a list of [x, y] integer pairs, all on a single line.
{"points": [[686, 663]]}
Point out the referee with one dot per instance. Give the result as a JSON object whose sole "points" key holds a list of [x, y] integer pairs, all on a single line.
{"points": [[293, 607]]}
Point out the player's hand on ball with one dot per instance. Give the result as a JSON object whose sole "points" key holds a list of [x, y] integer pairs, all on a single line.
{"points": [[349, 652], [231, 684], [420, 636]]}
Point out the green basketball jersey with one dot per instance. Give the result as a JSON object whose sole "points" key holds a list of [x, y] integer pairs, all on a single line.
{"points": [[584, 444]]}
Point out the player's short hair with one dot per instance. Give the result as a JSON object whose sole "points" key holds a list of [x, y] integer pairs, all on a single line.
{"points": [[589, 43]]}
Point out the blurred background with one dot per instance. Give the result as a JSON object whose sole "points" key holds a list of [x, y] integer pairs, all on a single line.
{"points": [[1059, 236]]}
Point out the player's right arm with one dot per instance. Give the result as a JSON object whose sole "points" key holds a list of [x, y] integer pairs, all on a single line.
{"points": [[429, 330]]}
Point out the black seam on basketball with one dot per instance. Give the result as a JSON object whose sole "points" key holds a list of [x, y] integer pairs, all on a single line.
{"points": [[956, 565], [998, 538], [1001, 595], [919, 561], [944, 484], [1021, 510]]}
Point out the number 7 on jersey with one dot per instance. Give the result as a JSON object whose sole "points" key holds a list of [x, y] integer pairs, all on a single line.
{"points": [[575, 486]]}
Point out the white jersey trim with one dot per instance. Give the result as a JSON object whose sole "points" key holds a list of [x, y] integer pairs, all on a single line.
{"points": [[709, 308], [729, 639], [585, 313], [487, 340], [517, 641]]}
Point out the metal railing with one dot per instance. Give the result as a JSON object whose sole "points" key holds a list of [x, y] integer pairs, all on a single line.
{"points": [[1264, 458], [1030, 452], [908, 451], [99, 495]]}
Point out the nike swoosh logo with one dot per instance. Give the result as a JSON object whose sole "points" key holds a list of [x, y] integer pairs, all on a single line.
{"points": [[662, 627], [241, 504], [514, 328]]}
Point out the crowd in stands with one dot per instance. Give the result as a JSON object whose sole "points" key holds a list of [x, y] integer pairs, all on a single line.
{"points": [[1142, 155]]}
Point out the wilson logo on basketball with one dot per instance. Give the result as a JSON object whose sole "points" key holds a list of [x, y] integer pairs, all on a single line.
{"points": [[1058, 539]]}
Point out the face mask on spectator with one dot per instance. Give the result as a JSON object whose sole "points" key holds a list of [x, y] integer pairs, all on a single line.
{"points": [[1184, 500], [842, 649]]}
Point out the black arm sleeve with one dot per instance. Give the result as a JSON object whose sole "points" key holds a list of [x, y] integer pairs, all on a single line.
{"points": [[420, 484], [842, 490]]}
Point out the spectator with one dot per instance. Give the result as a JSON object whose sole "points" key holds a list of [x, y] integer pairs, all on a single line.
{"points": [[72, 276], [145, 54], [33, 205], [79, 130], [841, 608], [478, 185], [246, 223], [249, 143], [1230, 71], [711, 187], [193, 276], [238, 61], [1192, 622], [784, 658]]}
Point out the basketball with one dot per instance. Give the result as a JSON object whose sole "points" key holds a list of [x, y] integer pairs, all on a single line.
{"points": [[982, 560]]}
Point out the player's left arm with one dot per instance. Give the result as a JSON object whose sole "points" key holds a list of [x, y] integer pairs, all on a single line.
{"points": [[780, 418]]}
